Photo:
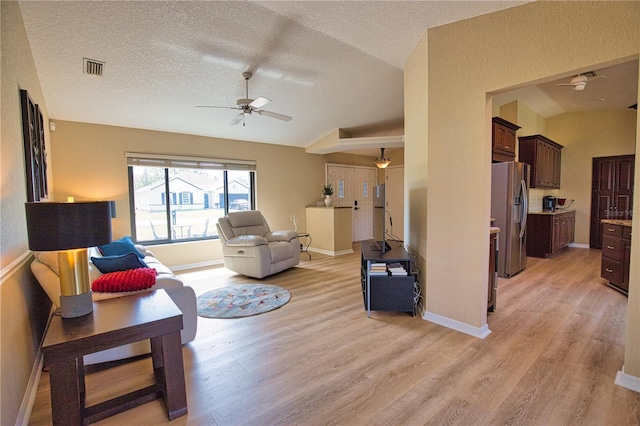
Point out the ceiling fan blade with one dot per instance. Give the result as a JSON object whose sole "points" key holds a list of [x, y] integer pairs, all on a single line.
{"points": [[260, 102], [237, 119], [565, 84], [274, 115], [211, 106], [596, 77]]}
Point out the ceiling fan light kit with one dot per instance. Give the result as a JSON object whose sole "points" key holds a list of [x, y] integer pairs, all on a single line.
{"points": [[247, 106], [579, 82]]}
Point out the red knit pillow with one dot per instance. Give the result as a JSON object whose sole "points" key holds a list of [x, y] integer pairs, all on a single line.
{"points": [[129, 280]]}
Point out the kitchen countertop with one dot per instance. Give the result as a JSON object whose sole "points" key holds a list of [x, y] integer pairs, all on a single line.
{"points": [[617, 222], [557, 211], [494, 230]]}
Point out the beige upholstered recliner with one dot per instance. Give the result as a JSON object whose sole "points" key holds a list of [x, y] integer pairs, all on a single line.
{"points": [[250, 248]]}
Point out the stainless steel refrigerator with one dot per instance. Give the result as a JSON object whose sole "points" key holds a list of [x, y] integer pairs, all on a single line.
{"points": [[509, 207]]}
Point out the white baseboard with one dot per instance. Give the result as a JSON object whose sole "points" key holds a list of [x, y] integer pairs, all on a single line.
{"points": [[29, 397], [188, 266], [627, 381], [577, 245], [329, 252], [479, 332]]}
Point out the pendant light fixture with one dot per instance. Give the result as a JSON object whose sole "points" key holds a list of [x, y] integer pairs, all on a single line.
{"points": [[382, 162]]}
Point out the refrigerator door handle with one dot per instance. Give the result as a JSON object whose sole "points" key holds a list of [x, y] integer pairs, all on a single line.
{"points": [[525, 207]]}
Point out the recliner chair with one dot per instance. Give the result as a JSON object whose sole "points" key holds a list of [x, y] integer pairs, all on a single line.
{"points": [[250, 248]]}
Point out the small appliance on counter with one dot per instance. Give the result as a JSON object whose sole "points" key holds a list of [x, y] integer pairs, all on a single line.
{"points": [[549, 203]]}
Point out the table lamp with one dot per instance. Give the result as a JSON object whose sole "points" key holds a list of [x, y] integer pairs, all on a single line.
{"points": [[70, 228]]}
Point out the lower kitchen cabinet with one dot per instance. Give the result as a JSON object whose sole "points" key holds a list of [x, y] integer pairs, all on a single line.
{"points": [[616, 253], [548, 233]]}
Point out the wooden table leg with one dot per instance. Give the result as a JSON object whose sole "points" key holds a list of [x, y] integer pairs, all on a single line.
{"points": [[66, 404], [169, 372]]}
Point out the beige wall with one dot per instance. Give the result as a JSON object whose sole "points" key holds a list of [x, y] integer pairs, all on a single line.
{"points": [[586, 135], [24, 307], [416, 84], [466, 61], [90, 164]]}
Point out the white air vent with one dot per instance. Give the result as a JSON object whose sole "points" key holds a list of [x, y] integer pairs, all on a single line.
{"points": [[92, 67]]}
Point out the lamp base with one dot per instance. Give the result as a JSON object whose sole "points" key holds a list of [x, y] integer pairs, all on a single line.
{"points": [[76, 306]]}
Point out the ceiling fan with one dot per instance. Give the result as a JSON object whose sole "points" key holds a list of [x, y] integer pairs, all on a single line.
{"points": [[579, 82], [247, 106]]}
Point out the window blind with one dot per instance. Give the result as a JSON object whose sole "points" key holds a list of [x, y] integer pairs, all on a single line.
{"points": [[172, 161]]}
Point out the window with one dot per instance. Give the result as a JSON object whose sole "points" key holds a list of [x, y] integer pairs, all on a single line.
{"points": [[181, 198]]}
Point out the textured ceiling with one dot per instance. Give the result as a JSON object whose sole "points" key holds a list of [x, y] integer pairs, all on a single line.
{"points": [[616, 89], [327, 64]]}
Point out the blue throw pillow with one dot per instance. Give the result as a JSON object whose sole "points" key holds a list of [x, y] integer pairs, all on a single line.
{"points": [[118, 263], [122, 246]]}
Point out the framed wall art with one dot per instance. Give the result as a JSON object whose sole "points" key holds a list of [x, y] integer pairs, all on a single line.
{"points": [[35, 156]]}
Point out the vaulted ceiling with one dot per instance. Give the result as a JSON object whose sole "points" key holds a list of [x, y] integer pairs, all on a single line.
{"points": [[327, 64]]}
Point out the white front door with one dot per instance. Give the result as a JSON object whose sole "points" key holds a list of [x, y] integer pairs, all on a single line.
{"points": [[352, 187], [341, 178], [365, 180]]}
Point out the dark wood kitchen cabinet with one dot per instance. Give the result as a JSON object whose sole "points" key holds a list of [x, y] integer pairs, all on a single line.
{"points": [[549, 233], [503, 137], [611, 193], [544, 157], [616, 254]]}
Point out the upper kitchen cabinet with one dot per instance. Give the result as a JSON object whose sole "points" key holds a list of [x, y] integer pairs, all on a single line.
{"points": [[504, 140], [543, 155]]}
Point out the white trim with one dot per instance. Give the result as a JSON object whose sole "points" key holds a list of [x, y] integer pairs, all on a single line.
{"points": [[346, 166], [14, 266], [627, 381], [372, 142], [29, 397], [578, 245], [479, 332], [197, 265], [329, 252]]}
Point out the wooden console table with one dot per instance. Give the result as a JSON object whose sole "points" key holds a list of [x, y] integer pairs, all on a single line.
{"points": [[116, 322]]}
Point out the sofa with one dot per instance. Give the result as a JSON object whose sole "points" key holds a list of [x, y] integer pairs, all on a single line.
{"points": [[45, 269], [250, 248]]}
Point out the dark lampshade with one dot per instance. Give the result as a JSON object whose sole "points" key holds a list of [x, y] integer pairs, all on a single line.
{"points": [[56, 226], [70, 228]]}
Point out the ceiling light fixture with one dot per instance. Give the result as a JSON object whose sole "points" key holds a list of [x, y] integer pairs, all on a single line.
{"points": [[382, 162]]}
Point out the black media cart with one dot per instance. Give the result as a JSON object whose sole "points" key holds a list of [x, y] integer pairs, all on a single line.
{"points": [[382, 291]]}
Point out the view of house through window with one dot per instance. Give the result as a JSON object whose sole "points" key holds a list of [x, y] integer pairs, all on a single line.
{"points": [[178, 204]]}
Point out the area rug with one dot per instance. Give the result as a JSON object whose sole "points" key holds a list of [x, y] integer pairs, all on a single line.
{"points": [[242, 300]]}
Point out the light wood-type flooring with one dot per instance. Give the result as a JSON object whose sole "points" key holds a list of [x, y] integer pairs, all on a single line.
{"points": [[557, 342]]}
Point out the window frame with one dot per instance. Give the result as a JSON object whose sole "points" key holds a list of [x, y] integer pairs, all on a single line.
{"points": [[179, 162]]}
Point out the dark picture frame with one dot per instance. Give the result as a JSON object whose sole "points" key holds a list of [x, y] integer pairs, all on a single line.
{"points": [[35, 156]]}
